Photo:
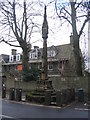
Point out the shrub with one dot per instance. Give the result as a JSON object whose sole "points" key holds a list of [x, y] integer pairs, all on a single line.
{"points": [[35, 98], [32, 74]]}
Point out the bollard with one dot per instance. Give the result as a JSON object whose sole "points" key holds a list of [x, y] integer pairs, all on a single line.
{"points": [[80, 95], [64, 96], [72, 94], [3, 92], [68, 95], [47, 97], [59, 98], [12, 94], [18, 94]]}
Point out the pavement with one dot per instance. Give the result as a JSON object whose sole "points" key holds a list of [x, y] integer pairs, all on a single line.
{"points": [[82, 105], [78, 105]]}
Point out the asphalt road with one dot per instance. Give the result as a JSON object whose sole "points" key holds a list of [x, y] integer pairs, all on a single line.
{"points": [[15, 110]]}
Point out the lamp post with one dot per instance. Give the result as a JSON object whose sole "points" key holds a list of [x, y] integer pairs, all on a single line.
{"points": [[44, 52]]}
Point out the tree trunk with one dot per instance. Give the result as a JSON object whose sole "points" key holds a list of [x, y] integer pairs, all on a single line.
{"points": [[77, 51], [78, 62], [25, 59]]}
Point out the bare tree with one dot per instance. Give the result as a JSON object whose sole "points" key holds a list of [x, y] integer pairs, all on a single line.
{"points": [[74, 12], [17, 25]]}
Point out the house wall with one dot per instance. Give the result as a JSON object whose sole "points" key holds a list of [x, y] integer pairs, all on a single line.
{"points": [[56, 54], [55, 70]]}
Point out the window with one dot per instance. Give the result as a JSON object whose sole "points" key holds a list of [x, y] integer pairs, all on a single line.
{"points": [[18, 57], [30, 56], [11, 58], [14, 58], [51, 53], [59, 65], [50, 66], [33, 55]]}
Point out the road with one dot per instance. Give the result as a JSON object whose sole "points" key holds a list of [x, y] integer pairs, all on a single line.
{"points": [[14, 110]]}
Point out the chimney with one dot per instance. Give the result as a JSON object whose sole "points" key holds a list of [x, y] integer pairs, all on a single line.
{"points": [[13, 52], [36, 47]]}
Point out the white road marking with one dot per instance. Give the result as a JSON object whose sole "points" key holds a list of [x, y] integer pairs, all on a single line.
{"points": [[81, 109], [6, 116]]}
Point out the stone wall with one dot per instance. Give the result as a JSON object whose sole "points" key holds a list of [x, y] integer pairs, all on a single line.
{"points": [[57, 82], [70, 82]]}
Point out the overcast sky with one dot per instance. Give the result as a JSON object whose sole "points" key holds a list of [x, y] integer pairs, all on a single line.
{"points": [[60, 36]]}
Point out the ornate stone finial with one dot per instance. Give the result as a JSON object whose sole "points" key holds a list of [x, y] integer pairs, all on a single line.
{"points": [[45, 26], [45, 16]]}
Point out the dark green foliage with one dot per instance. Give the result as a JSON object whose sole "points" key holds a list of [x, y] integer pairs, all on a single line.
{"points": [[32, 74], [39, 97], [35, 98]]}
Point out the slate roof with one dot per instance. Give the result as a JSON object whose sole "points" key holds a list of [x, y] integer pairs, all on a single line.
{"points": [[4, 58], [62, 51]]}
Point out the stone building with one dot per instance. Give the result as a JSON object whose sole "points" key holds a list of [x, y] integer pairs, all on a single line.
{"points": [[60, 59]]}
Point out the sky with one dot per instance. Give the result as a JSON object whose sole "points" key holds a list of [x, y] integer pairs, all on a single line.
{"points": [[62, 37], [59, 36]]}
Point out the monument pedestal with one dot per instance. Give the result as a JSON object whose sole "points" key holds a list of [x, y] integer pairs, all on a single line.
{"points": [[43, 85], [44, 89], [44, 93]]}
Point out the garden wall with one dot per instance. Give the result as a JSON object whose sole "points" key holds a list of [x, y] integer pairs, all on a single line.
{"points": [[70, 82], [57, 82]]}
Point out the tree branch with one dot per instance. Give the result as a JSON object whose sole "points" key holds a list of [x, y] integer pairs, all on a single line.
{"points": [[65, 19], [9, 43], [78, 5], [63, 16], [14, 17], [25, 16], [67, 11], [21, 32], [81, 16], [86, 20]]}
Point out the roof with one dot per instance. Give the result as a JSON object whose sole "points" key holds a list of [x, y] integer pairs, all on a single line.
{"points": [[62, 51], [4, 58]]}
